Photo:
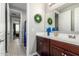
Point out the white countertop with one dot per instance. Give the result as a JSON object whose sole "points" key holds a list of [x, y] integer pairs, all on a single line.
{"points": [[63, 37]]}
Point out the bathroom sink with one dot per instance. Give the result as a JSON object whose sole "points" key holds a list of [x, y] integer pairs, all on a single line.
{"points": [[64, 37]]}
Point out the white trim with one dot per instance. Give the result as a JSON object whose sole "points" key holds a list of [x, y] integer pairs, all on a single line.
{"points": [[27, 25], [8, 30], [20, 25]]}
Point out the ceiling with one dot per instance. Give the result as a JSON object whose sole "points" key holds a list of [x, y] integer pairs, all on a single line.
{"points": [[19, 6], [14, 13], [64, 6], [59, 6]]}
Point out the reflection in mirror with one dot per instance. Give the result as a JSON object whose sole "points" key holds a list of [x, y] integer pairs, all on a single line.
{"points": [[68, 17], [56, 21]]}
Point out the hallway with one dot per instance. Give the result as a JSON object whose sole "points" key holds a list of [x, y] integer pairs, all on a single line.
{"points": [[15, 49]]}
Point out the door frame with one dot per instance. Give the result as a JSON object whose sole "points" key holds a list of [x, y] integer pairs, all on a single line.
{"points": [[7, 16], [6, 28], [19, 21]]}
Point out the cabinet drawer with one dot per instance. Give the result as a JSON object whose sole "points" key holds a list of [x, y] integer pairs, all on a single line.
{"points": [[67, 53], [59, 44]]}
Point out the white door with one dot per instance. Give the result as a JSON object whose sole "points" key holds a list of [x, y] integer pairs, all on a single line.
{"points": [[2, 29], [65, 21]]}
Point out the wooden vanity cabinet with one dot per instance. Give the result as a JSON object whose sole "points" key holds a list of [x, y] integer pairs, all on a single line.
{"points": [[43, 46], [49, 47]]}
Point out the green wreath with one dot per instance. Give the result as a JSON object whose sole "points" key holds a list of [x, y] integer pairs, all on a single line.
{"points": [[49, 21], [38, 18]]}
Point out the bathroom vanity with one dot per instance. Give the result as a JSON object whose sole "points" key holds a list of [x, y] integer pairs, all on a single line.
{"points": [[55, 46], [64, 43]]}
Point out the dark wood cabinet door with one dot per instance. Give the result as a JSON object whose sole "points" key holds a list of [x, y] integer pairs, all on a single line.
{"points": [[44, 50], [55, 51], [43, 46]]}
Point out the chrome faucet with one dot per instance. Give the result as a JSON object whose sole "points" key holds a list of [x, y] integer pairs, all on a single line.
{"points": [[72, 36]]}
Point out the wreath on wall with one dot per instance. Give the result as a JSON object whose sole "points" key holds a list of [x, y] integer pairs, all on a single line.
{"points": [[50, 21], [38, 18]]}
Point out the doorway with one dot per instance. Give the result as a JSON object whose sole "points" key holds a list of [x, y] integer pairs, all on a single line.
{"points": [[16, 30], [15, 41]]}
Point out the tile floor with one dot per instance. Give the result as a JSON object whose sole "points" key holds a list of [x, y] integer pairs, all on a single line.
{"points": [[15, 49]]}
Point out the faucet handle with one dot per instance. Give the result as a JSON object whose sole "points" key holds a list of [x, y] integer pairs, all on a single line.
{"points": [[74, 36]]}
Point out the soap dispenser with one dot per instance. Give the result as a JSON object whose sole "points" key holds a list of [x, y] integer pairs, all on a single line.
{"points": [[48, 31]]}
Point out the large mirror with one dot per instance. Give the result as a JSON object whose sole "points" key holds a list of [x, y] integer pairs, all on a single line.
{"points": [[68, 17]]}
